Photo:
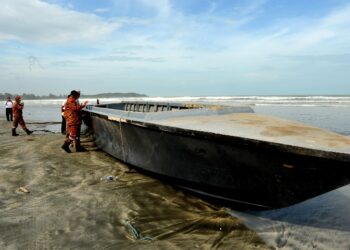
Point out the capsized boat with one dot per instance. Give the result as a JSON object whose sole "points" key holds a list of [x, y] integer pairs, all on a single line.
{"points": [[227, 152]]}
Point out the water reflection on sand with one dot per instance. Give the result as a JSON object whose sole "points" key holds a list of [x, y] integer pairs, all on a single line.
{"points": [[319, 223]]}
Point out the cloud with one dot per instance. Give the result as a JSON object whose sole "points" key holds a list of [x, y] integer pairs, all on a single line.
{"points": [[113, 58], [221, 42], [70, 6], [163, 7], [251, 8], [150, 8], [101, 10], [39, 22], [65, 63], [330, 58], [326, 35]]}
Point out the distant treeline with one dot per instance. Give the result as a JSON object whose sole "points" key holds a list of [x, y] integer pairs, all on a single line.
{"points": [[25, 96]]}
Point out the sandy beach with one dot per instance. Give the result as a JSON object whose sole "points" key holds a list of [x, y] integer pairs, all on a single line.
{"points": [[71, 205]]}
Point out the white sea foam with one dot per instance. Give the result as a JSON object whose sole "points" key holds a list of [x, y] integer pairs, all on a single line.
{"points": [[266, 100]]}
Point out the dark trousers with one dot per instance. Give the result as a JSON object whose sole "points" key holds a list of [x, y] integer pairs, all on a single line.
{"points": [[9, 114], [63, 125]]}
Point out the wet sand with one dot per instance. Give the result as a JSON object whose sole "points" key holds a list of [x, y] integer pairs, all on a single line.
{"points": [[71, 205]]}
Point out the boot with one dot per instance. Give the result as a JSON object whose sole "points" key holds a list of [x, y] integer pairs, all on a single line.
{"points": [[28, 131], [80, 148], [65, 147], [14, 132]]}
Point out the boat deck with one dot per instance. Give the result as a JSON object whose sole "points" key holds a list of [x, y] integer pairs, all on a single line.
{"points": [[263, 128]]}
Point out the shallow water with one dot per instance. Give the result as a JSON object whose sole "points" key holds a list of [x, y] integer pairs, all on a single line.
{"points": [[319, 223]]}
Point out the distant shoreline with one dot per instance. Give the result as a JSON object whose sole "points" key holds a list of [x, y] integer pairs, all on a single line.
{"points": [[3, 96]]}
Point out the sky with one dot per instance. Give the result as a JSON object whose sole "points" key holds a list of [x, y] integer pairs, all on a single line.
{"points": [[175, 47]]}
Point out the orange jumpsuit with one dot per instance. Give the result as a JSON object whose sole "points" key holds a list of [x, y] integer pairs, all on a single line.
{"points": [[18, 115], [72, 114]]}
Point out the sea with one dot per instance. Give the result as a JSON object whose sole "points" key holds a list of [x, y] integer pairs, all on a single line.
{"points": [[322, 222]]}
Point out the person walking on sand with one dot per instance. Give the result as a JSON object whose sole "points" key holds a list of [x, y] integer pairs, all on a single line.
{"points": [[8, 106], [18, 117], [73, 118]]}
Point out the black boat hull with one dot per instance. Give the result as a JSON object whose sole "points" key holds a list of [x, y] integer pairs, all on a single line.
{"points": [[260, 174]]}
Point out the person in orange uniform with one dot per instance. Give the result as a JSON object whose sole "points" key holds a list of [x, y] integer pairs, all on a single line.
{"points": [[72, 113], [18, 117]]}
